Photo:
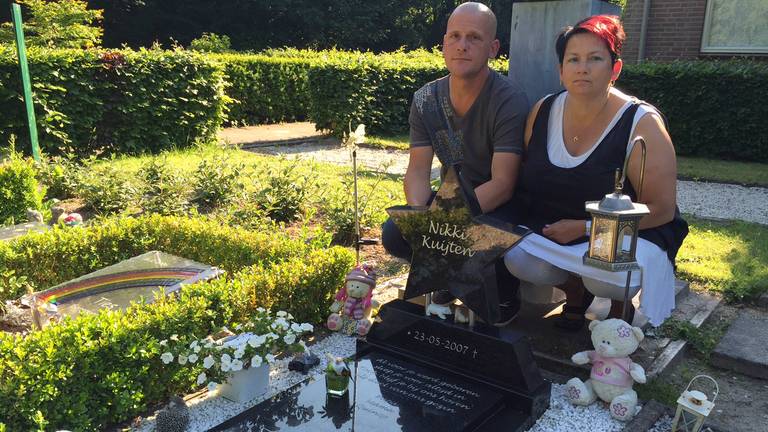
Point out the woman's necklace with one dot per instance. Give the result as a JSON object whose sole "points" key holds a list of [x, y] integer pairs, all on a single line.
{"points": [[575, 137]]}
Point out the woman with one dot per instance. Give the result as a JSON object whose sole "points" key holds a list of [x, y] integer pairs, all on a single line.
{"points": [[574, 142]]}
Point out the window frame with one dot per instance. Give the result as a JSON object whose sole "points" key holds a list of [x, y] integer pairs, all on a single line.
{"points": [[707, 49]]}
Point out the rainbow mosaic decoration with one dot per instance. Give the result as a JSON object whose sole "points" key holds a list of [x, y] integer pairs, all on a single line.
{"points": [[116, 286]]}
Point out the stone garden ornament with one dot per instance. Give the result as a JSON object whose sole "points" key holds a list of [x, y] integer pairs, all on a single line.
{"points": [[351, 312], [613, 372]]}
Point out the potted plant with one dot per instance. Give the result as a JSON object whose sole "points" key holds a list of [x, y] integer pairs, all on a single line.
{"points": [[237, 362], [337, 375]]}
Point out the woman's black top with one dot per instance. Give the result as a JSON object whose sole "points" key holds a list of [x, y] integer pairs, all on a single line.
{"points": [[549, 193]]}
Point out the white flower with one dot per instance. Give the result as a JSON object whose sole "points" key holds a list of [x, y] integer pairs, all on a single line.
{"points": [[236, 365], [272, 336], [289, 316], [175, 337], [260, 309], [226, 358], [192, 358], [307, 327], [208, 362], [282, 323], [182, 359], [290, 338], [239, 353], [282, 313], [225, 366], [193, 344], [270, 358], [209, 345], [256, 341], [211, 386], [196, 349], [201, 378], [164, 342], [166, 357], [256, 361], [296, 327]]}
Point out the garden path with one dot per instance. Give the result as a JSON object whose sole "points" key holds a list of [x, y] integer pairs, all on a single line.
{"points": [[702, 199]]}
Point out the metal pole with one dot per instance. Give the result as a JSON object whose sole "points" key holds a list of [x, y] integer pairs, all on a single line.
{"points": [[357, 218], [25, 81], [625, 311], [643, 31]]}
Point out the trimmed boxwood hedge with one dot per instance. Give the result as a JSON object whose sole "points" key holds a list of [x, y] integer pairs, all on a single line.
{"points": [[94, 371], [119, 101], [715, 109], [19, 189]]}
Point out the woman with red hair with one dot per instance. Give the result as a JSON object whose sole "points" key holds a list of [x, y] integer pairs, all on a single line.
{"points": [[575, 140]]}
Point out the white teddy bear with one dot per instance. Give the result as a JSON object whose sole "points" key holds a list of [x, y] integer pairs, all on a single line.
{"points": [[613, 372]]}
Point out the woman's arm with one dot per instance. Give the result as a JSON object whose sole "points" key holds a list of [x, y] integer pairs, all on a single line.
{"points": [[659, 188], [529, 122]]}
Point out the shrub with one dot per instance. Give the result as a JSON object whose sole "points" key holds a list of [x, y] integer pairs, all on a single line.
{"points": [[61, 254], [59, 175], [91, 101], [283, 194], [105, 189], [93, 371], [217, 182], [165, 191], [211, 42], [19, 189], [698, 97]]}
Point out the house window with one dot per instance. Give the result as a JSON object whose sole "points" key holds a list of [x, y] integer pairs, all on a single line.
{"points": [[735, 27]]}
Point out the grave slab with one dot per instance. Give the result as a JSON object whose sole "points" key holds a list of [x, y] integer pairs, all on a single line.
{"points": [[11, 232], [744, 348]]}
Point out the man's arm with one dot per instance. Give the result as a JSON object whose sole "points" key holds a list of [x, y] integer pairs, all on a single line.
{"points": [[416, 183], [508, 134], [500, 188]]}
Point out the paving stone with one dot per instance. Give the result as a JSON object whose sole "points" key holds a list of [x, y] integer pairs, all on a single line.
{"points": [[744, 348], [647, 417]]}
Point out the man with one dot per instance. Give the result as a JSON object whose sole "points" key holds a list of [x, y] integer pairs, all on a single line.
{"points": [[474, 116]]}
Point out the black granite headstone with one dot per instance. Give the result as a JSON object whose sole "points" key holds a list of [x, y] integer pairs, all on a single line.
{"points": [[455, 247]]}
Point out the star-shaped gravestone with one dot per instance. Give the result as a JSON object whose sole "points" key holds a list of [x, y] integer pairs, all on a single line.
{"points": [[455, 246]]}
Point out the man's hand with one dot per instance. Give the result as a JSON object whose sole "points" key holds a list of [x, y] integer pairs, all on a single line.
{"points": [[565, 230], [416, 181]]}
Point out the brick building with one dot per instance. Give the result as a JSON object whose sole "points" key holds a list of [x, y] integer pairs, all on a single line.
{"points": [[691, 29]]}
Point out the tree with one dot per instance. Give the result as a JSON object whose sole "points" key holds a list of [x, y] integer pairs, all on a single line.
{"points": [[58, 24]]}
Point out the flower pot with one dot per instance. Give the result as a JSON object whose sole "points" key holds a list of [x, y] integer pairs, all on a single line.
{"points": [[337, 385], [246, 384]]}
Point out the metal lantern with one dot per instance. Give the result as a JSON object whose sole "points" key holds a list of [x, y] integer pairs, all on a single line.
{"points": [[693, 407], [614, 227]]}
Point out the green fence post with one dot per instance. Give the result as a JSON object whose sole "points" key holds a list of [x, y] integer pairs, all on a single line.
{"points": [[27, 86]]}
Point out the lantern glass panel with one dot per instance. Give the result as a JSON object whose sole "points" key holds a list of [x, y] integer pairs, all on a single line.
{"points": [[604, 236], [625, 241]]}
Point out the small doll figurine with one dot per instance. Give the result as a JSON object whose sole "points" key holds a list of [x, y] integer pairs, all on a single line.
{"points": [[351, 312]]}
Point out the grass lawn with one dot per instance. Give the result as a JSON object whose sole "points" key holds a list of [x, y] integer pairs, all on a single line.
{"points": [[730, 257], [688, 168]]}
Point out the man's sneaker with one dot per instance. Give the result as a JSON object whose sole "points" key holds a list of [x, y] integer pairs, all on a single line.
{"points": [[507, 313], [443, 298]]}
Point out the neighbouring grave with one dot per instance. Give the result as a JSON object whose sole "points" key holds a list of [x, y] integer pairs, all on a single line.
{"points": [[116, 286], [419, 373], [744, 348]]}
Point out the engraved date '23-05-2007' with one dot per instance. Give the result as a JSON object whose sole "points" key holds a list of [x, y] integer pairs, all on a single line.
{"points": [[444, 343]]}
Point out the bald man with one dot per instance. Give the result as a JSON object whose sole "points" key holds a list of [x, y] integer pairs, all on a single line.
{"points": [[473, 116]]}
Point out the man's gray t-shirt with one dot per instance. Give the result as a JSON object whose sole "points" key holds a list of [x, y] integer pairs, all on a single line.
{"points": [[494, 123]]}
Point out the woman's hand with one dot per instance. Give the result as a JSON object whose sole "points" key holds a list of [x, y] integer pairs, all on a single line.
{"points": [[565, 230]]}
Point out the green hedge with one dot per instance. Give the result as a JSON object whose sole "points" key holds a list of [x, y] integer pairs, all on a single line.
{"points": [[60, 254], [98, 370], [331, 87], [122, 101], [19, 189], [715, 109], [95, 371]]}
